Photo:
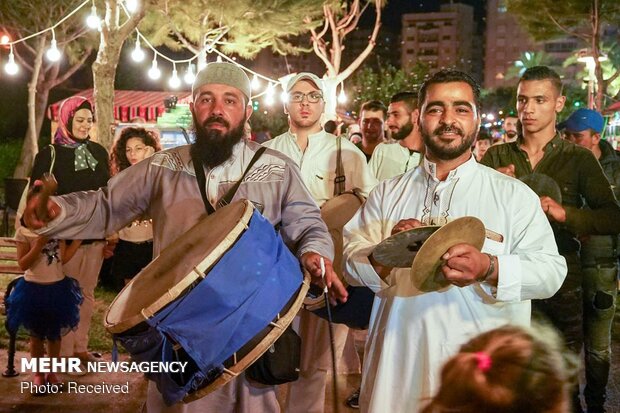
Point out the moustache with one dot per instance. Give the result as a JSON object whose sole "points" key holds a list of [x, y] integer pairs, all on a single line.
{"points": [[448, 129], [216, 119]]}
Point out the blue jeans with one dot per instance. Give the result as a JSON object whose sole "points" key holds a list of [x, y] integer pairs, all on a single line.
{"points": [[600, 271]]}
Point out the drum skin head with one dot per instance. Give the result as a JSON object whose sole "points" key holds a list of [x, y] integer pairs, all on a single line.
{"points": [[425, 270], [543, 185], [400, 249], [180, 264], [336, 213]]}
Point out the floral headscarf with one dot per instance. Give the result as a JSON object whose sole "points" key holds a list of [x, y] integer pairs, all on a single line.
{"points": [[64, 136]]}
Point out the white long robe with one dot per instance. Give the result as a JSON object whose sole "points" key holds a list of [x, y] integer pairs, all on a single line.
{"points": [[392, 159], [318, 171], [411, 337]]}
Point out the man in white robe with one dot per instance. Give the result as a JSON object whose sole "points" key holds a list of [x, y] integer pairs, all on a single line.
{"points": [[315, 152], [410, 337], [391, 159]]}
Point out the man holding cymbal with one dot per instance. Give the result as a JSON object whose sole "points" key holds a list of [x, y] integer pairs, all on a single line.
{"points": [[414, 330]]}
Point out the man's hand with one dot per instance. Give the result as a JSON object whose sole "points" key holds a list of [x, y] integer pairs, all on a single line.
{"points": [[311, 261], [30, 217], [507, 170], [553, 210], [406, 224], [465, 265]]}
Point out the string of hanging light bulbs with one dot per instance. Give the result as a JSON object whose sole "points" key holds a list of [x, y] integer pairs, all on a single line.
{"points": [[93, 21]]}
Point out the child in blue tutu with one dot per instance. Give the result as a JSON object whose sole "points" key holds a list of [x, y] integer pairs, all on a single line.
{"points": [[44, 301]]}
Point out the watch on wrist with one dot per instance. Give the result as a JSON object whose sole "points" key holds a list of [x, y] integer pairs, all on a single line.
{"points": [[491, 269]]}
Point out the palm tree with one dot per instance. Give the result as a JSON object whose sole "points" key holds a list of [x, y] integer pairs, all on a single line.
{"points": [[526, 61]]}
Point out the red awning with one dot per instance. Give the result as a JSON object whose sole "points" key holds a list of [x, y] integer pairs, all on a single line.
{"points": [[129, 104], [611, 109]]}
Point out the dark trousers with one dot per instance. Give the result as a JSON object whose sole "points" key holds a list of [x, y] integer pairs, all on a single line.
{"points": [[565, 311], [600, 272]]}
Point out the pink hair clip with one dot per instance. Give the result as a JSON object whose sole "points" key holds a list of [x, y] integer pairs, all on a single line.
{"points": [[484, 361]]}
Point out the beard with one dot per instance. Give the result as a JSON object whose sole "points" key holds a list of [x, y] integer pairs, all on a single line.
{"points": [[212, 146], [511, 134], [403, 132], [443, 152]]}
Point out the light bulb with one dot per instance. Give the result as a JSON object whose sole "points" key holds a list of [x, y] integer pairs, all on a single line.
{"points": [[154, 72], [137, 54], [189, 75], [132, 5], [219, 59], [92, 20], [342, 97], [174, 81], [255, 83], [53, 54], [5, 39], [11, 67]]}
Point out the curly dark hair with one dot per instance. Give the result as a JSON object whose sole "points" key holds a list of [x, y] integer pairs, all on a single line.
{"points": [[118, 157]]}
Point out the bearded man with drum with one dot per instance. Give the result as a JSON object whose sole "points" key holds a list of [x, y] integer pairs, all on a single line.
{"points": [[165, 188], [316, 153], [413, 332]]}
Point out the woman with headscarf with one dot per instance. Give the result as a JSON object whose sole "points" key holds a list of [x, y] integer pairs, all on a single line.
{"points": [[78, 164]]}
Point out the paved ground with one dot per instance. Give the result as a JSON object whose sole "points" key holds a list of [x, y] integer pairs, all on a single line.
{"points": [[12, 399]]}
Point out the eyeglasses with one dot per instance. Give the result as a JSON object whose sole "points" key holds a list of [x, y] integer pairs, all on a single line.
{"points": [[313, 97]]}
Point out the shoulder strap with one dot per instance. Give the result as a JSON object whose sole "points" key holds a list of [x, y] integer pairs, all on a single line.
{"points": [[52, 157], [340, 178], [202, 183], [225, 200]]}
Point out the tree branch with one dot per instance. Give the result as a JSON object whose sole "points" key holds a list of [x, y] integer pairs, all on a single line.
{"points": [[612, 78], [371, 44], [70, 71], [564, 29]]}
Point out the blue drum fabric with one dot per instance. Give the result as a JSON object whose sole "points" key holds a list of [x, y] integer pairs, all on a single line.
{"points": [[239, 297]]}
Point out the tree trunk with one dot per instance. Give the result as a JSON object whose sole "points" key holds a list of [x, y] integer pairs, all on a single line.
{"points": [[596, 41], [104, 74], [30, 146], [112, 36]]}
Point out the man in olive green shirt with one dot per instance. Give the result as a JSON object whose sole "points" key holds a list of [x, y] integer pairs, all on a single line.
{"points": [[581, 181]]}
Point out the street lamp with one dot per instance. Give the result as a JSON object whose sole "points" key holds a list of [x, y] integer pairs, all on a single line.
{"points": [[584, 56]]}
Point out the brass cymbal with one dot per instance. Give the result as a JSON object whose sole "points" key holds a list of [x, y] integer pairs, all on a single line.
{"points": [[425, 269], [400, 249]]}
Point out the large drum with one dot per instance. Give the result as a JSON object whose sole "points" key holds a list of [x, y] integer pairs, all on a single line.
{"points": [[217, 298], [355, 313]]}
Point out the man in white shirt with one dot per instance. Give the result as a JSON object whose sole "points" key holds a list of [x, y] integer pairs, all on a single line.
{"points": [[372, 123], [410, 337], [389, 160], [315, 152]]}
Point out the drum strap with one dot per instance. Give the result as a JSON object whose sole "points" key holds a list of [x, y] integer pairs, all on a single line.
{"points": [[340, 178], [202, 182]]}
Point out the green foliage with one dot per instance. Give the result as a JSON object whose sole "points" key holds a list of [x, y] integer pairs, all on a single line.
{"points": [[609, 67], [9, 155], [271, 118], [368, 84], [503, 98], [576, 98], [572, 15], [23, 18], [247, 26], [526, 61]]}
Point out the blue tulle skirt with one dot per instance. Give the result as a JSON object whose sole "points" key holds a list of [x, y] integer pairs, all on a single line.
{"points": [[46, 311]]}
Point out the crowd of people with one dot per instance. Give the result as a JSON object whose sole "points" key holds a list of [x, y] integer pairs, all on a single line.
{"points": [[466, 346]]}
